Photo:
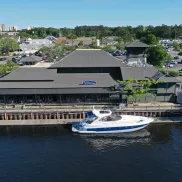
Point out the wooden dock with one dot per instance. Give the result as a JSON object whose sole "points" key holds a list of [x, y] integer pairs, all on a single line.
{"points": [[58, 116]]}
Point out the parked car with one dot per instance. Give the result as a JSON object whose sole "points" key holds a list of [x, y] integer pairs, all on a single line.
{"points": [[170, 65], [176, 57], [173, 62], [180, 72], [20, 64], [3, 59]]}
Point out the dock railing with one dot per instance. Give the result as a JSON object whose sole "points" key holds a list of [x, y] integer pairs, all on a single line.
{"points": [[85, 108]]}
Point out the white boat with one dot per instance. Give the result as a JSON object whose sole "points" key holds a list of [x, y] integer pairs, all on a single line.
{"points": [[103, 121]]}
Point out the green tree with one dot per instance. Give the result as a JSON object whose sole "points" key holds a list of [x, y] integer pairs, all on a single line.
{"points": [[173, 73], [157, 55], [8, 67], [57, 51], [107, 48], [150, 39], [134, 88], [180, 53], [8, 44], [176, 46], [120, 46]]}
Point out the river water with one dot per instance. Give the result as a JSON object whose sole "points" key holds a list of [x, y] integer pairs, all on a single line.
{"points": [[52, 155]]}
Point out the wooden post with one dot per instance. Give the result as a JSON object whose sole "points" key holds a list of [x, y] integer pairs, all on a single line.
{"points": [[32, 115], [10, 117], [24, 116], [80, 115], [147, 114], [58, 115], [37, 116], [84, 115]]}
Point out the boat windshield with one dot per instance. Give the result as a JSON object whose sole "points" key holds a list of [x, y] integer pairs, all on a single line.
{"points": [[91, 119], [113, 117]]}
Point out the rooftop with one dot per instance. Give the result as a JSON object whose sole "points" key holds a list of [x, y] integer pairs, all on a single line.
{"points": [[139, 73], [30, 74], [88, 58], [136, 44], [49, 78]]}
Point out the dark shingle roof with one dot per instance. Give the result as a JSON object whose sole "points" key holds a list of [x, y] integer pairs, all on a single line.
{"points": [[157, 75], [88, 58], [139, 73], [76, 80], [58, 80], [136, 44], [30, 74]]}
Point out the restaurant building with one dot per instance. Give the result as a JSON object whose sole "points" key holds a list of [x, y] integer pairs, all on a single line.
{"points": [[83, 76]]}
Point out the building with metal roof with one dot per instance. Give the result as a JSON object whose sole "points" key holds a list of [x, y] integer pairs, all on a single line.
{"points": [[136, 47], [91, 58], [84, 76]]}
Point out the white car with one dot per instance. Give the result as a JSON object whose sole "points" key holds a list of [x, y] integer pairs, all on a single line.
{"points": [[171, 66]]}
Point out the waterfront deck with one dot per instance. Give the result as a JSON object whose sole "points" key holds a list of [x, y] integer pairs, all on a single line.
{"points": [[57, 115], [38, 122]]}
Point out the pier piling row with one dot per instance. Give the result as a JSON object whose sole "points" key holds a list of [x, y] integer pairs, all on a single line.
{"points": [[76, 116]]}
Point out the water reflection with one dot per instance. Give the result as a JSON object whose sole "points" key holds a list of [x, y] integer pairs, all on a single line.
{"points": [[104, 141]]}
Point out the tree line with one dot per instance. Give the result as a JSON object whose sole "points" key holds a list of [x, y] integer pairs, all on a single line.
{"points": [[127, 33]]}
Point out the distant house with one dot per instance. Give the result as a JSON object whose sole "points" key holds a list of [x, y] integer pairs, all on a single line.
{"points": [[76, 42], [109, 41], [33, 45]]}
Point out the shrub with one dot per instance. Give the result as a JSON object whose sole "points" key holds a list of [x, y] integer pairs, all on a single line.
{"points": [[163, 71], [170, 73], [173, 73]]}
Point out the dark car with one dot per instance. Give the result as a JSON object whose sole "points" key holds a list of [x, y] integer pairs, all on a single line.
{"points": [[3, 59], [176, 57], [180, 72]]}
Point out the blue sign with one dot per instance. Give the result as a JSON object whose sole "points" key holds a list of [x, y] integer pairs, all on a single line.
{"points": [[89, 82]]}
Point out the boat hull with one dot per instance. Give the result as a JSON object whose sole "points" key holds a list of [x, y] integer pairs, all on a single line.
{"points": [[122, 129]]}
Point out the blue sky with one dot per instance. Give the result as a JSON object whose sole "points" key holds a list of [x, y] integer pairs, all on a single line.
{"points": [[70, 13]]}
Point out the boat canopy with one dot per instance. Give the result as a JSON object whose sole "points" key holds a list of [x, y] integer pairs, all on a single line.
{"points": [[101, 113]]}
